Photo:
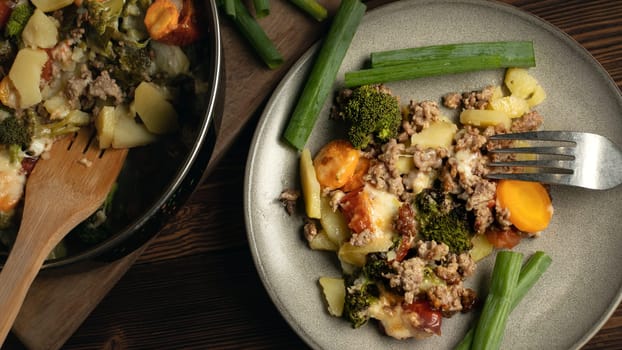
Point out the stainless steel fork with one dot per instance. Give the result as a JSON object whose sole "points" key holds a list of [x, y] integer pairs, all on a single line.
{"points": [[562, 158]]}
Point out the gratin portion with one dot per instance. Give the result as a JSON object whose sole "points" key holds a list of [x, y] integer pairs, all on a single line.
{"points": [[404, 201]]}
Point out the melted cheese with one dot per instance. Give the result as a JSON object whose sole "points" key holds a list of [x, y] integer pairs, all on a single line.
{"points": [[12, 182], [466, 161], [381, 209]]}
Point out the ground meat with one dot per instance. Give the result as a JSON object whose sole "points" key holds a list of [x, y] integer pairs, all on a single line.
{"points": [[361, 238], [384, 173], [431, 251], [408, 276], [528, 122], [310, 229], [466, 265], [468, 299], [481, 202], [452, 100], [494, 130], [428, 159], [456, 269], [448, 178], [391, 152], [446, 298], [104, 87], [469, 138], [477, 99], [377, 174], [502, 216], [467, 168], [449, 271], [451, 299], [77, 84], [288, 198], [421, 114], [406, 132]]}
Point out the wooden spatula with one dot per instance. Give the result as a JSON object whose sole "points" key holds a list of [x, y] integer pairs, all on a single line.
{"points": [[62, 191]]}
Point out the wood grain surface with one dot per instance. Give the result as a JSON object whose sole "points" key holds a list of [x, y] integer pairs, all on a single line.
{"points": [[195, 285]]}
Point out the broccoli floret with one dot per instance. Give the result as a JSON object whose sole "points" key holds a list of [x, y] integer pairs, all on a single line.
{"points": [[96, 228], [363, 289], [132, 66], [372, 112], [103, 15], [361, 293], [15, 131], [376, 266], [17, 20], [442, 220]]}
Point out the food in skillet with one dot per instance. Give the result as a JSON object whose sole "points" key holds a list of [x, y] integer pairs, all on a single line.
{"points": [[127, 68], [404, 202]]}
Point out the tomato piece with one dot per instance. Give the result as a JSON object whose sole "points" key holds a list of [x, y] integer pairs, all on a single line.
{"points": [[355, 207], [28, 163], [187, 30], [5, 12], [507, 238], [46, 72], [431, 319], [404, 246]]}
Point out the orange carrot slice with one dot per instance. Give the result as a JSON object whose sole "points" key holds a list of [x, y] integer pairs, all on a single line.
{"points": [[357, 180], [335, 163], [529, 204]]}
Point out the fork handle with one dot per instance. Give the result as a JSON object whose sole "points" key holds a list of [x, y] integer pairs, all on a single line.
{"points": [[19, 271]]}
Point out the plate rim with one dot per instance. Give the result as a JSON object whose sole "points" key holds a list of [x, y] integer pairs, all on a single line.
{"points": [[301, 63]]}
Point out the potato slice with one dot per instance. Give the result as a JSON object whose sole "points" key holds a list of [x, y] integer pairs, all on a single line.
{"points": [[311, 190], [51, 5], [485, 117], [25, 74], [154, 109], [438, 134], [57, 106], [321, 241], [481, 247], [334, 290], [515, 107], [405, 164], [105, 123], [538, 96], [40, 31], [520, 83], [356, 255], [129, 133], [334, 223]]}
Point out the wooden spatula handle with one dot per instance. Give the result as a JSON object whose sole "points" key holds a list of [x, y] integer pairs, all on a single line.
{"points": [[24, 262]]}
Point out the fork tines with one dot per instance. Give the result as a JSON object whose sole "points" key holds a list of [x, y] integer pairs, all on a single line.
{"points": [[545, 163]]}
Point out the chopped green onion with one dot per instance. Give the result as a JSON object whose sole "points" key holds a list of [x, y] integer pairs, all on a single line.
{"points": [[313, 8], [324, 72], [511, 53], [491, 325], [529, 275], [429, 68], [256, 36], [229, 6], [262, 8]]}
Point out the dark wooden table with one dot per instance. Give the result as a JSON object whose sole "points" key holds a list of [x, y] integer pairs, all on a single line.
{"points": [[196, 285]]}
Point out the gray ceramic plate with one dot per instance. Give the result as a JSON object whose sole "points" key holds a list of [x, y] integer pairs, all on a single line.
{"points": [[583, 285]]}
